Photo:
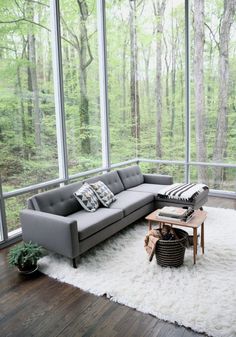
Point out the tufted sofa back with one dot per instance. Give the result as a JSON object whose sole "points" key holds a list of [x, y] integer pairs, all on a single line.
{"points": [[131, 176], [111, 179], [60, 201]]}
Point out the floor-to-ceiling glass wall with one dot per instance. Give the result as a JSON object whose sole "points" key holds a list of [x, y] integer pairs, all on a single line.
{"points": [[122, 84], [146, 69], [146, 92], [28, 145], [213, 89], [161, 74], [81, 84]]}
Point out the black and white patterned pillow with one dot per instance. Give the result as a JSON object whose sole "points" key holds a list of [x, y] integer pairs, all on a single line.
{"points": [[103, 193], [87, 198]]}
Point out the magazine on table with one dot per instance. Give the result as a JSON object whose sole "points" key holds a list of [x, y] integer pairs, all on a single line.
{"points": [[175, 213]]}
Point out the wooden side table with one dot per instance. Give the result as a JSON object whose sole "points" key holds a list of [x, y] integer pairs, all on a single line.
{"points": [[196, 221]]}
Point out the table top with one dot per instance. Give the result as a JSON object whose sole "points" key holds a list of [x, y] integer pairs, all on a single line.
{"points": [[197, 219]]}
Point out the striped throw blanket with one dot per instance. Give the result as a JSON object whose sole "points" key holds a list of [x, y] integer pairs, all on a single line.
{"points": [[186, 192]]}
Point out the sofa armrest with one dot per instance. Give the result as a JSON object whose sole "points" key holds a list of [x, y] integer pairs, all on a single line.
{"points": [[54, 232], [158, 179]]}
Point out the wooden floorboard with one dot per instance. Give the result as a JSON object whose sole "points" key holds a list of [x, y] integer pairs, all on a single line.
{"points": [[43, 307]]}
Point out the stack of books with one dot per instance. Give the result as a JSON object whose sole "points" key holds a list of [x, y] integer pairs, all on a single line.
{"points": [[175, 213]]}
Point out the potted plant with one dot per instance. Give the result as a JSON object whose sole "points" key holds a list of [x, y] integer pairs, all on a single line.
{"points": [[25, 256]]}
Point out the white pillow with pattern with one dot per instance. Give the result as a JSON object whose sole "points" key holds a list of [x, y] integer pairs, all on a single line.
{"points": [[103, 193], [87, 198]]}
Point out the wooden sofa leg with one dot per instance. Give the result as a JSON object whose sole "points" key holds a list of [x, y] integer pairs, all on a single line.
{"points": [[74, 262]]}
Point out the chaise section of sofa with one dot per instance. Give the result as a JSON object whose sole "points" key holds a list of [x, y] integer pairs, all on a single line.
{"points": [[135, 181]]}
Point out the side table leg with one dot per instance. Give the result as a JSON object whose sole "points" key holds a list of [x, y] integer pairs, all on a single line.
{"points": [[149, 224], [202, 237], [194, 245]]}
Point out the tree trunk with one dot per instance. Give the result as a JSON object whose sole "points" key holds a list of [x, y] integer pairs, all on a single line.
{"points": [[167, 94], [146, 59], [159, 9], [30, 101], [134, 86], [83, 64], [22, 113], [221, 129], [33, 81], [173, 78], [182, 84], [124, 102], [198, 24], [173, 91]]}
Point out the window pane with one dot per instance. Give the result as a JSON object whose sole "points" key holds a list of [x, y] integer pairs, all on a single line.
{"points": [[81, 84], [123, 140], [28, 147], [228, 182], [176, 171], [213, 79], [13, 206], [146, 79]]}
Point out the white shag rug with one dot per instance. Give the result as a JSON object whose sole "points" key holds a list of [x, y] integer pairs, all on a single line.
{"points": [[201, 296]]}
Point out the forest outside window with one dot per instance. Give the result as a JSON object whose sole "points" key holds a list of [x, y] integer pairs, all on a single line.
{"points": [[81, 84], [146, 69], [28, 144], [213, 83], [27, 113]]}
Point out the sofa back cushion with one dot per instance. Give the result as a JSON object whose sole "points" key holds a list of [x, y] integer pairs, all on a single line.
{"points": [[60, 201], [131, 176], [111, 179]]}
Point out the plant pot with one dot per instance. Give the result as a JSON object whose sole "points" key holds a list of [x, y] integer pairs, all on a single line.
{"points": [[28, 270]]}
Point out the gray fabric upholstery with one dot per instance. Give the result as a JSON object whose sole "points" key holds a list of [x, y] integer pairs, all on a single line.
{"points": [[111, 179], [60, 201], [108, 231], [56, 233], [130, 201], [91, 223], [131, 176], [158, 179], [56, 220], [147, 188], [30, 204]]}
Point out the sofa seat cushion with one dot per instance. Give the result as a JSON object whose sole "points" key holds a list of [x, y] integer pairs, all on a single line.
{"points": [[147, 188], [91, 223], [130, 201]]}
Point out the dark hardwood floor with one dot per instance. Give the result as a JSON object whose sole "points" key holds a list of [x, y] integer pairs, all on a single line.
{"points": [[43, 307]]}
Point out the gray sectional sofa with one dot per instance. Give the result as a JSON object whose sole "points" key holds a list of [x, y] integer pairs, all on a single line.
{"points": [[55, 219]]}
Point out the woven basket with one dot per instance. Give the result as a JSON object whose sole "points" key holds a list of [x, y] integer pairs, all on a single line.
{"points": [[170, 253]]}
